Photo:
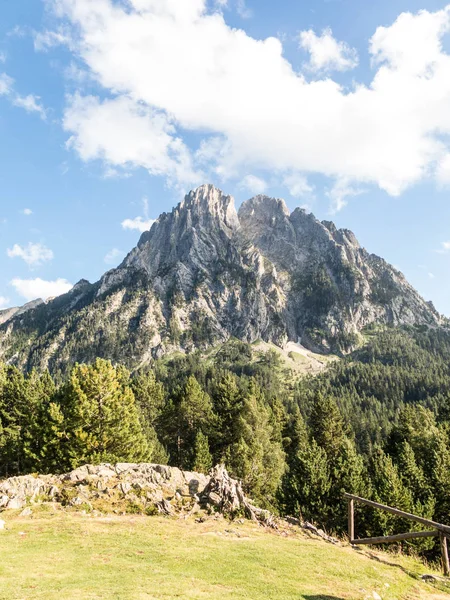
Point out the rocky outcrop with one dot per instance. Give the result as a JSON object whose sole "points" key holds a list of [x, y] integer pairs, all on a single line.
{"points": [[205, 273], [145, 488], [142, 488]]}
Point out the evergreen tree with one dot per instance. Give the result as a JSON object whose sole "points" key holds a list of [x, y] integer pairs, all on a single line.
{"points": [[227, 402], [102, 420], [202, 456], [184, 415], [257, 457], [306, 482], [389, 489], [150, 399], [327, 426]]}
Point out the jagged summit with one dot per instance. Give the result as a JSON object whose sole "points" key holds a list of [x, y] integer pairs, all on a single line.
{"points": [[204, 273]]}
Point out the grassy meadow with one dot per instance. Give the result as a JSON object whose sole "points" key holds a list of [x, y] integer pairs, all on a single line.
{"points": [[54, 554]]}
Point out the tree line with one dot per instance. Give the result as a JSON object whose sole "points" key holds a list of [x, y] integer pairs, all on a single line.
{"points": [[376, 424]]}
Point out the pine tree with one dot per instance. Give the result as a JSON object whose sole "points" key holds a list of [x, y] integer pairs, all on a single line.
{"points": [[327, 426], [102, 420], [202, 456], [194, 413], [227, 401], [150, 399], [257, 457], [389, 489], [306, 482], [13, 417]]}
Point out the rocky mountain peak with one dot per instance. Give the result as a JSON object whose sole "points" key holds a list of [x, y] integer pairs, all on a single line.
{"points": [[204, 273], [209, 203]]}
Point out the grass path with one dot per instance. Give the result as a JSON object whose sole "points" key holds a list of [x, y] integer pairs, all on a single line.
{"points": [[68, 556]]}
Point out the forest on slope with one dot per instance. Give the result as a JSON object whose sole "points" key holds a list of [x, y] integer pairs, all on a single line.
{"points": [[376, 423]]}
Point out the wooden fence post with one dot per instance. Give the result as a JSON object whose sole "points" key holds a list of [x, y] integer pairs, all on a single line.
{"points": [[444, 551], [351, 520]]}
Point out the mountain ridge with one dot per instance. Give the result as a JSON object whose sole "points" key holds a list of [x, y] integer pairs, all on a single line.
{"points": [[205, 272]]}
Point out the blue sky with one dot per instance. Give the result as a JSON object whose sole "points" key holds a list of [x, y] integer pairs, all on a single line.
{"points": [[111, 110]]}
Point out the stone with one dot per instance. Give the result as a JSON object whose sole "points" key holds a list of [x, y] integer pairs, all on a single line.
{"points": [[15, 503], [77, 474], [124, 487], [2, 524], [27, 512]]}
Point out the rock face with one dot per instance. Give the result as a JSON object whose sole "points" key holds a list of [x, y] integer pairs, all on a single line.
{"points": [[205, 273], [143, 485]]}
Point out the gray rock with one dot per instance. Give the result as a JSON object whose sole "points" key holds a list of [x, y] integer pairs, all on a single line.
{"points": [[26, 512], [16, 503]]}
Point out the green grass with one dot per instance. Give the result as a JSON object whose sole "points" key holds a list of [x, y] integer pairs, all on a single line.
{"points": [[58, 555]]}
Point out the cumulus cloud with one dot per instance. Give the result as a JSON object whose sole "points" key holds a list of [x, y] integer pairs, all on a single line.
{"points": [[33, 254], [326, 53], [138, 223], [4, 302], [31, 289], [253, 184], [27, 212], [128, 134], [114, 256], [172, 67]]}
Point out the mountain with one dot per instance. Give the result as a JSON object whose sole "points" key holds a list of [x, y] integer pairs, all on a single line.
{"points": [[8, 313], [205, 273]]}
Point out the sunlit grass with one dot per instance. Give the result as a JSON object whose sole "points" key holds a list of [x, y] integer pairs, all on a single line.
{"points": [[57, 555]]}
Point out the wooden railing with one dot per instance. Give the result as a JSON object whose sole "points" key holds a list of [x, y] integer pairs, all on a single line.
{"points": [[437, 529]]}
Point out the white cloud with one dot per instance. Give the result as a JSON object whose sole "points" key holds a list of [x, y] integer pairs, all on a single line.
{"points": [[127, 134], [33, 254], [138, 223], [2, 57], [27, 212], [431, 275], [30, 103], [114, 256], [173, 67], [31, 289], [297, 185], [253, 184], [44, 40], [6, 84], [4, 302], [326, 53], [243, 11], [339, 193]]}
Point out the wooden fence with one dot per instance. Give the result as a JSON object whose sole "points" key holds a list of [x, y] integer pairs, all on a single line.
{"points": [[437, 529]]}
